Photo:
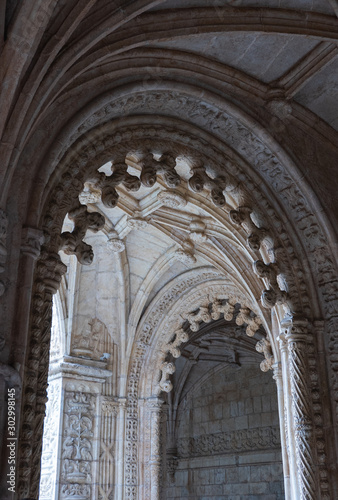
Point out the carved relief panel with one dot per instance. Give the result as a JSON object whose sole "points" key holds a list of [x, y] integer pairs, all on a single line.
{"points": [[78, 453], [50, 442]]}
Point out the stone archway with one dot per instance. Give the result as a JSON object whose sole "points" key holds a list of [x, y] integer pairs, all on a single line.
{"points": [[261, 236]]}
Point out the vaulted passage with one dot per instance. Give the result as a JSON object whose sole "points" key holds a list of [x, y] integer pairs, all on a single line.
{"points": [[168, 249], [226, 435]]}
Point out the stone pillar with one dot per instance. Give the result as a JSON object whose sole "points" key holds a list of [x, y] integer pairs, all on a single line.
{"points": [[288, 418], [277, 375], [155, 407], [297, 340], [32, 240], [107, 473], [49, 271], [80, 467], [120, 447]]}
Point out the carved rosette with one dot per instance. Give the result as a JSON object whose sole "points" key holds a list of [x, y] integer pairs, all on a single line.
{"points": [[297, 339]]}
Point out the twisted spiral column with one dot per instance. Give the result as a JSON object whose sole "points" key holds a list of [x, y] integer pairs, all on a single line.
{"points": [[297, 341], [278, 376]]}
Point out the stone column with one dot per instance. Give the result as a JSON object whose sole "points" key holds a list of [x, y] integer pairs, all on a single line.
{"points": [[288, 418], [277, 375], [297, 340], [155, 406], [49, 271], [81, 468], [120, 447], [109, 407]]}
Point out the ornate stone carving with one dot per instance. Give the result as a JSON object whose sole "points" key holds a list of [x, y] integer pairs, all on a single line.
{"points": [[108, 437], [264, 346], [3, 249], [49, 271], [172, 347], [273, 295], [137, 223], [297, 339], [201, 180], [167, 369], [78, 491], [107, 184], [274, 173], [189, 280], [242, 217], [253, 323], [280, 107], [197, 231], [205, 314], [32, 239], [109, 405], [172, 199], [89, 195], [264, 152], [71, 243], [114, 243], [165, 165], [227, 309], [155, 418], [89, 342], [186, 256], [77, 446], [229, 442], [195, 318]]}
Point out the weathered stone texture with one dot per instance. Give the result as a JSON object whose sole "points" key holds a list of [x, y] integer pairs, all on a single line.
{"points": [[228, 439]]}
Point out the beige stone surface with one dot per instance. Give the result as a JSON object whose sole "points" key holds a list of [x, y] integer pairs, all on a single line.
{"points": [[168, 175]]}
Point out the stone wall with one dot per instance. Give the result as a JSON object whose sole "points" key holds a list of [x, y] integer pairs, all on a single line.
{"points": [[228, 439]]}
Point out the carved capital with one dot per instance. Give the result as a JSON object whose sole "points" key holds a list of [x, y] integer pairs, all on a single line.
{"points": [[31, 242], [297, 333], [109, 406], [115, 244], [277, 372], [50, 270]]}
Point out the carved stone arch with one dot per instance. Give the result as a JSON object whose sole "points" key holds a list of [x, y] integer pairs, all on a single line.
{"points": [[84, 161], [117, 150], [203, 295], [155, 336]]}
